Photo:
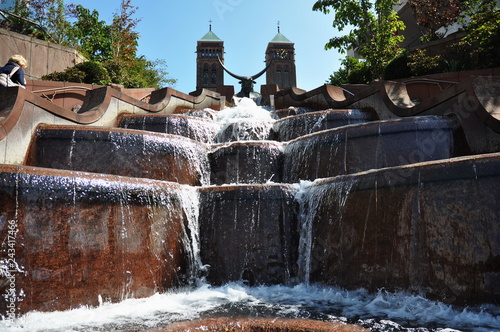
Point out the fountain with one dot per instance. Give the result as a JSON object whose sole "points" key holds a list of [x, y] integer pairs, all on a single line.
{"points": [[240, 199]]}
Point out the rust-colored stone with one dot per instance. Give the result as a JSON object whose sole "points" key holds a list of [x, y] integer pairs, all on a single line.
{"points": [[259, 325], [123, 152], [246, 162], [80, 236], [431, 229], [248, 233], [375, 145]]}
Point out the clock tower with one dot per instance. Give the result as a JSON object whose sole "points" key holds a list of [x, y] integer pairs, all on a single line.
{"points": [[281, 51], [209, 72]]}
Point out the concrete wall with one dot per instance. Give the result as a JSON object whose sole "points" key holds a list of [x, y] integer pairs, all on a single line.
{"points": [[43, 57]]}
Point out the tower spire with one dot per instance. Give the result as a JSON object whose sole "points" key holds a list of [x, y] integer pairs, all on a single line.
{"points": [[210, 25], [278, 26]]}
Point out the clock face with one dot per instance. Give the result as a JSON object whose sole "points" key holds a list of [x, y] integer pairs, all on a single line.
{"points": [[282, 53]]}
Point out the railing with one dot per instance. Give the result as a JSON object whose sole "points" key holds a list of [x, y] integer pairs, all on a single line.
{"points": [[431, 81], [349, 92], [73, 88]]}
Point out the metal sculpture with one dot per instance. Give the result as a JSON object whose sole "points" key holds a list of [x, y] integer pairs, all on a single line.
{"points": [[246, 82]]}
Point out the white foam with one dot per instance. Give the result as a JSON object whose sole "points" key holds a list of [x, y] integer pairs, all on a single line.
{"points": [[381, 310], [246, 109]]}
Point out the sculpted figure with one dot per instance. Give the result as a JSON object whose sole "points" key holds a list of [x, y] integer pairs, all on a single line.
{"points": [[246, 82]]}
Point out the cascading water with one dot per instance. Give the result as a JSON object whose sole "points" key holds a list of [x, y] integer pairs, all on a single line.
{"points": [[241, 236], [244, 122], [190, 202]]}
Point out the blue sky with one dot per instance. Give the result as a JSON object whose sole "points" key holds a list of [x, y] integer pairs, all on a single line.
{"points": [[170, 29]]}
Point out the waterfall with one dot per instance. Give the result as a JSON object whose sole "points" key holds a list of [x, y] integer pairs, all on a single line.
{"points": [[307, 204], [325, 201], [190, 202]]}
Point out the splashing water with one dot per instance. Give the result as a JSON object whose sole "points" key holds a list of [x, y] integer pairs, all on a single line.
{"points": [[382, 311], [244, 122], [309, 197], [190, 201]]}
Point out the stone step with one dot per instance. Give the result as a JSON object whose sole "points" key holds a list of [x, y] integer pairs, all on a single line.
{"points": [[203, 130], [72, 237], [294, 126], [125, 152], [374, 145]]}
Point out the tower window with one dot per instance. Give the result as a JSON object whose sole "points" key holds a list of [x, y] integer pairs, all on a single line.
{"points": [[213, 80], [286, 77], [279, 77], [205, 74]]}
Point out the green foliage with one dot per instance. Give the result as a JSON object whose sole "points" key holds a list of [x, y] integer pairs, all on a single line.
{"points": [[484, 37], [71, 74], [479, 49], [110, 49], [352, 71], [42, 19], [90, 35], [19, 21], [457, 57], [144, 74], [94, 72], [374, 30], [123, 35], [421, 64], [50, 14], [89, 72]]}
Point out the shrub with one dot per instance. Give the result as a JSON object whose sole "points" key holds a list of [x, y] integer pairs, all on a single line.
{"points": [[484, 37], [398, 68], [71, 74], [86, 72], [421, 64], [95, 73], [352, 71], [457, 57], [360, 74]]}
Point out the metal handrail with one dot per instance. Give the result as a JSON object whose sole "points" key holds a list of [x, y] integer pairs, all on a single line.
{"points": [[431, 81], [56, 90], [63, 88], [145, 97], [349, 92]]}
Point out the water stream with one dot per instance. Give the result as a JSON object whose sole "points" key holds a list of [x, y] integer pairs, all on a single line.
{"points": [[382, 311]]}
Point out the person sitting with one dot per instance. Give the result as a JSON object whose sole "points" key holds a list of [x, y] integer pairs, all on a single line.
{"points": [[12, 74]]}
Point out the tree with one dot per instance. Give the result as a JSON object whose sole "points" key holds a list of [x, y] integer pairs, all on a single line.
{"points": [[483, 35], [90, 35], [111, 50], [374, 30], [434, 14], [352, 71], [123, 35], [51, 14], [143, 74]]}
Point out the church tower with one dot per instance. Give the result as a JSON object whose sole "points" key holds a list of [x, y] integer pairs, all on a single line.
{"points": [[282, 70], [209, 72]]}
